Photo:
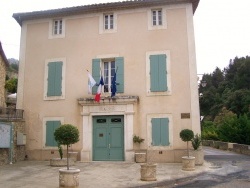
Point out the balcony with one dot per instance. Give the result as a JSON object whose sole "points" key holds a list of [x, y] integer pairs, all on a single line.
{"points": [[10, 114]]}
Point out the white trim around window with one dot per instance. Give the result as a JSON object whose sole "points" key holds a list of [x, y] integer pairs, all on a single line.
{"points": [[46, 69], [149, 131], [168, 72], [112, 25], [45, 119], [59, 24], [163, 25]]}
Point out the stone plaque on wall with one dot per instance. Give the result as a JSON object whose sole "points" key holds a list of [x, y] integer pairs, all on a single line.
{"points": [[185, 115]]}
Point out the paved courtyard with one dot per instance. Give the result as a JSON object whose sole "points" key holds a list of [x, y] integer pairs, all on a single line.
{"points": [[39, 174]]}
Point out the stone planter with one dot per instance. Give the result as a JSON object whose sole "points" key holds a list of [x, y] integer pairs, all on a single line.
{"points": [[188, 163], [148, 172], [61, 162], [140, 157], [73, 155], [69, 178], [199, 156]]}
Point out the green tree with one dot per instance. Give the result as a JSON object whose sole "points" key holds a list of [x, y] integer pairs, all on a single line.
{"points": [[66, 134], [11, 85]]}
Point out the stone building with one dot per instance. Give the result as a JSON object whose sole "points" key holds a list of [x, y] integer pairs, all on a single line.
{"points": [[3, 66]]}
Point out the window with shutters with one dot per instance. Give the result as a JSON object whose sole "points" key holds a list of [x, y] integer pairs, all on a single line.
{"points": [[107, 68], [158, 73], [50, 124], [54, 87], [160, 131]]}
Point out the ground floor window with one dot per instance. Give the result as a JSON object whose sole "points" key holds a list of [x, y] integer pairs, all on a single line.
{"points": [[160, 131], [51, 126]]}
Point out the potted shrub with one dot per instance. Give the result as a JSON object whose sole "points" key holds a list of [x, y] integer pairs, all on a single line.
{"points": [[148, 169], [197, 152], [188, 162], [140, 157], [67, 134]]}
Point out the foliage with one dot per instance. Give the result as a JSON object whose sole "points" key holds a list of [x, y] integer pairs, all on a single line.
{"points": [[66, 134], [235, 130], [137, 139], [225, 101], [11, 85], [196, 142], [187, 135], [60, 150]]}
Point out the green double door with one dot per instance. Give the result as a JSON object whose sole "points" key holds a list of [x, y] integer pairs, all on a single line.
{"points": [[108, 138]]}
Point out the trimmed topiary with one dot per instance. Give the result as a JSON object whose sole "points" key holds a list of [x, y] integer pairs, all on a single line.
{"points": [[187, 135], [66, 134]]}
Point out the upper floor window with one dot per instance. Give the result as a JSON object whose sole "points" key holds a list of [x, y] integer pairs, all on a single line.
{"points": [[54, 79], [108, 21], [158, 73], [57, 27], [107, 68], [109, 72], [156, 17]]}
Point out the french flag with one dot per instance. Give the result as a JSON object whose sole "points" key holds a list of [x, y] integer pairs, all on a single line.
{"points": [[99, 90]]}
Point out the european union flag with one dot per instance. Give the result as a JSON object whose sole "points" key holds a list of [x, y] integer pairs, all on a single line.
{"points": [[113, 86]]}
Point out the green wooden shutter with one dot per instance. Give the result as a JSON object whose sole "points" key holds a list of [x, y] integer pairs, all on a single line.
{"points": [[119, 62], [54, 79], [162, 79], [51, 82], [160, 131], [51, 126], [156, 131], [58, 79], [95, 73], [164, 131], [158, 77]]}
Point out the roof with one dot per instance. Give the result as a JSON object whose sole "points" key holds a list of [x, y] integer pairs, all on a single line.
{"points": [[3, 55], [129, 4]]}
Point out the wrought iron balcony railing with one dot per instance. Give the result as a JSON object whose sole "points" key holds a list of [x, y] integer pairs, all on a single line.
{"points": [[8, 114]]}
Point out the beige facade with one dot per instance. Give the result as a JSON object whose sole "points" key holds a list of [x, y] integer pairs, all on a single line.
{"points": [[135, 38], [3, 67]]}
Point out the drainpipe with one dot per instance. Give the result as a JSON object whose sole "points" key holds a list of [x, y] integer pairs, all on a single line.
{"points": [[11, 143]]}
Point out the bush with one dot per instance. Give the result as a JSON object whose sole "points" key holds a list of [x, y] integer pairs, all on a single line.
{"points": [[196, 142]]}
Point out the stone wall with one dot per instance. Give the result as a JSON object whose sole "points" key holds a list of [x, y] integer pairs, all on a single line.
{"points": [[18, 150], [238, 148], [2, 81]]}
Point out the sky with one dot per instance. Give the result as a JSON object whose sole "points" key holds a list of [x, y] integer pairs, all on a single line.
{"points": [[221, 27]]}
